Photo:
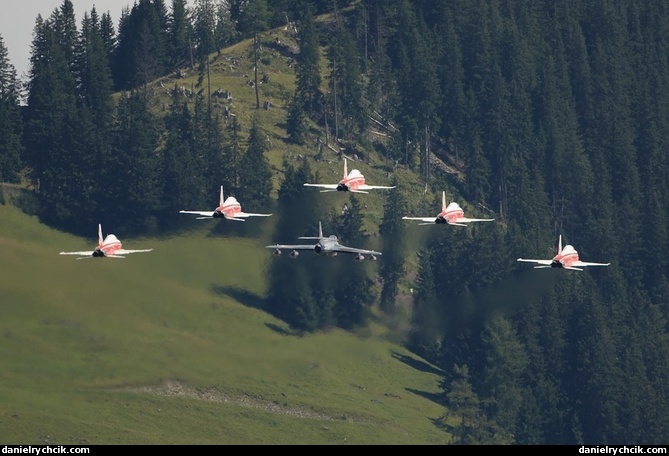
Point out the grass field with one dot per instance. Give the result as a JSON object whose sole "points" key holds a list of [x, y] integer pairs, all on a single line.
{"points": [[170, 347]]}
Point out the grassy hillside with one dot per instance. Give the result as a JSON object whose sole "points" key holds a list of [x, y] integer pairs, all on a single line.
{"points": [[171, 347], [232, 73]]}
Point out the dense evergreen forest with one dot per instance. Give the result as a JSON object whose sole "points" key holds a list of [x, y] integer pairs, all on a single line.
{"points": [[554, 113]]}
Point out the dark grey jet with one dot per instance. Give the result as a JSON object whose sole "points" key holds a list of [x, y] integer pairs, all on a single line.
{"points": [[327, 246]]}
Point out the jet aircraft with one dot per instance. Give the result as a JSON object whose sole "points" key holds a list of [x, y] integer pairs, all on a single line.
{"points": [[451, 214], [566, 258], [352, 182], [229, 209], [327, 246], [110, 247]]}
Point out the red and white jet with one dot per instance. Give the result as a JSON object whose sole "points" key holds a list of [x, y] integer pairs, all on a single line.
{"points": [[352, 182], [229, 209], [566, 258], [110, 247], [451, 214]]}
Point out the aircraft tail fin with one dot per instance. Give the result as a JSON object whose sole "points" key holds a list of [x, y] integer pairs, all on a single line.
{"points": [[100, 234], [345, 168], [560, 244], [320, 234], [220, 200], [443, 201]]}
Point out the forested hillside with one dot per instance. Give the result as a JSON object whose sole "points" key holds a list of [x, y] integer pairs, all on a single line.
{"points": [[550, 116]]}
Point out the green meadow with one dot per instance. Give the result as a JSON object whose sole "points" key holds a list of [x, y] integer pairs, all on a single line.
{"points": [[174, 347]]}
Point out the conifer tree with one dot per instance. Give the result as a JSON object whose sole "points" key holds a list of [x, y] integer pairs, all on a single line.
{"points": [[209, 142], [393, 234], [108, 36], [204, 23], [135, 193], [141, 53], [52, 118], [255, 180], [296, 123], [427, 325], [181, 175], [346, 85], [11, 122], [225, 32], [180, 35], [233, 155], [308, 97], [252, 17], [464, 409], [502, 386]]}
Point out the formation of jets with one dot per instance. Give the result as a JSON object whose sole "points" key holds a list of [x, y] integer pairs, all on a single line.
{"points": [[231, 209], [325, 246], [109, 247]]}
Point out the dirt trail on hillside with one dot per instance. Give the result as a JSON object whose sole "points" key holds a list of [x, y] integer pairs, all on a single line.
{"points": [[174, 388]]}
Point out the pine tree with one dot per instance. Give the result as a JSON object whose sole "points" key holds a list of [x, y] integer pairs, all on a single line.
{"points": [[94, 74], [351, 223], [142, 50], [502, 384], [255, 180], [296, 126], [346, 85], [233, 155], [134, 192], [181, 178], [11, 122], [308, 97], [463, 416], [204, 23], [225, 32], [252, 18], [180, 34], [393, 235], [426, 319], [52, 119], [209, 141], [108, 36]]}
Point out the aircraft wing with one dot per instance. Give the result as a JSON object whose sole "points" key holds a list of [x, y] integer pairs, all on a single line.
{"points": [[125, 252], [250, 214], [540, 262], [344, 249], [83, 253], [585, 263], [467, 220], [372, 187], [293, 247], [327, 186], [202, 213], [421, 219]]}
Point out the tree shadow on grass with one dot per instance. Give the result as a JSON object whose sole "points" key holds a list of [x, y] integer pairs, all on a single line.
{"points": [[417, 364], [254, 301], [437, 398], [242, 296], [284, 331]]}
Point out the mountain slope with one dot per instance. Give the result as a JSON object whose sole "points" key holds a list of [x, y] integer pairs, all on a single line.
{"points": [[171, 347]]}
